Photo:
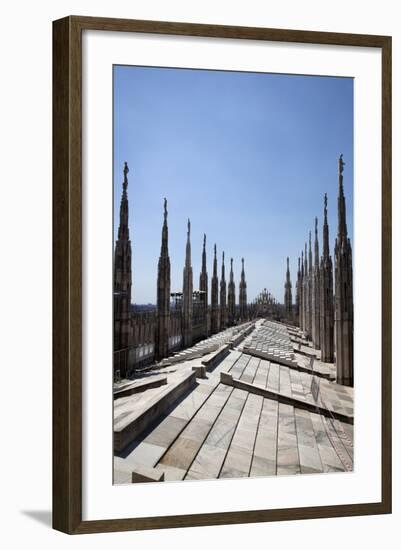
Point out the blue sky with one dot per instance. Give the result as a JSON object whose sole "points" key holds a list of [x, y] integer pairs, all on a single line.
{"points": [[246, 156]]}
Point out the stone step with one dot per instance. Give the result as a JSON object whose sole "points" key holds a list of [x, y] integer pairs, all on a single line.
{"points": [[139, 386], [286, 397], [183, 451], [217, 357], [282, 359], [129, 426]]}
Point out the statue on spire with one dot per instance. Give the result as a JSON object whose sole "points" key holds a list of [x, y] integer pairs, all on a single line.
{"points": [[341, 164], [165, 208], [189, 227], [126, 170]]}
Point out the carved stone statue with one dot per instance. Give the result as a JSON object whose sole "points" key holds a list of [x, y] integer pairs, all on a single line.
{"points": [[341, 164], [126, 170]]}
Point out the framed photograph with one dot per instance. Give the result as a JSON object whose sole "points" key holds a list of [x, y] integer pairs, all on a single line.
{"points": [[221, 274]]}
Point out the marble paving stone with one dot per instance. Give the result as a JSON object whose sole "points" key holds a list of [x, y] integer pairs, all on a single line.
{"points": [[204, 387], [185, 448], [165, 433], [237, 460], [296, 384], [309, 459], [145, 453], [192, 475], [339, 444], [328, 455], [171, 473], [240, 365], [181, 453], [237, 402], [198, 428], [249, 373], [266, 439], [221, 434], [120, 477], [273, 381], [345, 438], [223, 430], [232, 473], [285, 382], [239, 455], [263, 467], [287, 444], [262, 373], [191, 404], [208, 461]]}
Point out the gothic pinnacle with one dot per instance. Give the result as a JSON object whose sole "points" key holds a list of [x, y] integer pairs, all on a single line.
{"points": [[316, 244], [215, 262], [342, 224], [325, 230], [164, 247]]}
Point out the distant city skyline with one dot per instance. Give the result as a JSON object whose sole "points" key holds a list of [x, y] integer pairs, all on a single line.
{"points": [[246, 156]]}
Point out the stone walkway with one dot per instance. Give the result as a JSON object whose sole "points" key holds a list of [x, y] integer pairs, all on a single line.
{"points": [[219, 431]]}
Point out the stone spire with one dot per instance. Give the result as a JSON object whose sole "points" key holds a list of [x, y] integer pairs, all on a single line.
{"points": [[242, 295], [163, 294], [223, 296], [302, 295], [306, 293], [326, 296], [298, 293], [310, 286], [316, 293], [288, 292], [215, 295], [344, 303], [342, 217], [122, 274], [203, 285], [231, 296], [187, 290]]}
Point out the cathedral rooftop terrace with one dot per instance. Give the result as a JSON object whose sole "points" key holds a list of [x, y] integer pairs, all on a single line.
{"points": [[217, 410]]}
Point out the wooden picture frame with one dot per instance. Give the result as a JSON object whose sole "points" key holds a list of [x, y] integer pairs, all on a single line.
{"points": [[67, 274]]}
